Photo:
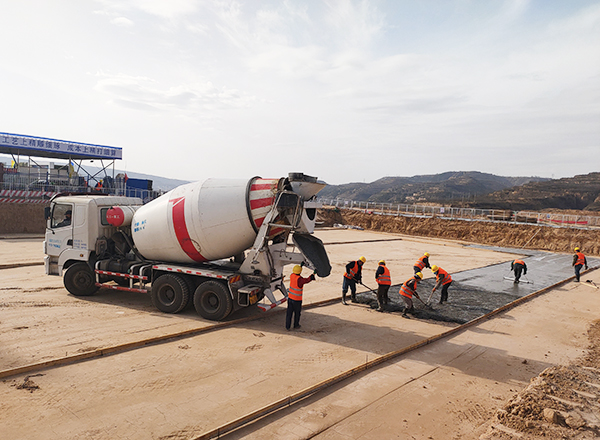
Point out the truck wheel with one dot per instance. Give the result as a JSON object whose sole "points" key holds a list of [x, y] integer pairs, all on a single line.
{"points": [[212, 300], [170, 293], [80, 280]]}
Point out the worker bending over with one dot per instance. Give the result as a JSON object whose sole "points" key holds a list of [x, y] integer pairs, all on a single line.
{"points": [[295, 291], [518, 266], [579, 261], [408, 289], [422, 263], [352, 276], [442, 279], [384, 281]]}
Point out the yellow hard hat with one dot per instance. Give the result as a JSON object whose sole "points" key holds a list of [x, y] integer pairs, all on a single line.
{"points": [[363, 259], [297, 269], [577, 249], [382, 262], [419, 275], [426, 254], [434, 268]]}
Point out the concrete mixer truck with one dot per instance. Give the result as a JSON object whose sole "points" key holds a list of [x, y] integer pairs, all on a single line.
{"points": [[221, 244]]}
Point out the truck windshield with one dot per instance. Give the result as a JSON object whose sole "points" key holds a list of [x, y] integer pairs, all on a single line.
{"points": [[61, 215]]}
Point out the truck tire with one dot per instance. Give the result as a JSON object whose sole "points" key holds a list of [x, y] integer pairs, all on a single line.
{"points": [[170, 293], [80, 280], [212, 300]]}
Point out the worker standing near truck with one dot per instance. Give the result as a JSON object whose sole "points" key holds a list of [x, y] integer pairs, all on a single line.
{"points": [[384, 281], [295, 291], [518, 266], [442, 279], [408, 289], [579, 261], [352, 276], [422, 263]]}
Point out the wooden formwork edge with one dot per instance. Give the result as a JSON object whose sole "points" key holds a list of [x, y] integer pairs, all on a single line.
{"points": [[314, 389]]}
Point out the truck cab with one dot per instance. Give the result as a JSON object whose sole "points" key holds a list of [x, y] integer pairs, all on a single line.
{"points": [[73, 226]]}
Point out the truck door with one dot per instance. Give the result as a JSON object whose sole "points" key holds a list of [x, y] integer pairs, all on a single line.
{"points": [[60, 233]]}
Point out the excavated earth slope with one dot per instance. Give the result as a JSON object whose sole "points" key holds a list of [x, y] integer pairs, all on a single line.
{"points": [[488, 233]]}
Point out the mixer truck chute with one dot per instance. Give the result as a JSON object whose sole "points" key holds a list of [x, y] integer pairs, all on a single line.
{"points": [[220, 243]]}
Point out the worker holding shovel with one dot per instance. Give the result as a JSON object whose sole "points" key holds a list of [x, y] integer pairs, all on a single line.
{"points": [[579, 261], [442, 279], [352, 276], [384, 281], [408, 289], [518, 266]]}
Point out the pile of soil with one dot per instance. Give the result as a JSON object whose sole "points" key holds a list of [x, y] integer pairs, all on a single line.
{"points": [[487, 233], [559, 403]]}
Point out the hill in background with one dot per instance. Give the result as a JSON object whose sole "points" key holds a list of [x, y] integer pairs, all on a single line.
{"points": [[581, 192], [455, 187]]}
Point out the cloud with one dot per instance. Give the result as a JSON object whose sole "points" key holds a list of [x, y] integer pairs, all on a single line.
{"points": [[144, 93], [170, 9], [122, 21]]}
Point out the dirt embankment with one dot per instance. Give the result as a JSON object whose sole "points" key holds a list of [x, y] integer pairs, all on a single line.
{"points": [[487, 233], [22, 218], [560, 403]]}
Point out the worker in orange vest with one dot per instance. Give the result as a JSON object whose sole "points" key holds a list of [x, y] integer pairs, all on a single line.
{"points": [[295, 292], [518, 266], [442, 279], [579, 261], [384, 281], [422, 263], [408, 289], [352, 276]]}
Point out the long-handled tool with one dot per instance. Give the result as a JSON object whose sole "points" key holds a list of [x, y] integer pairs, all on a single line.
{"points": [[430, 296], [591, 284], [427, 306], [372, 291], [520, 281]]}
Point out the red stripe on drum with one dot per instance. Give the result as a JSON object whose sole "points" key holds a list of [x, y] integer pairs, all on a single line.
{"points": [[181, 231], [261, 203], [261, 187]]}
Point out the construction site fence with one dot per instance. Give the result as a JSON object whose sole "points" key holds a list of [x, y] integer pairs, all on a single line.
{"points": [[468, 214], [36, 192]]}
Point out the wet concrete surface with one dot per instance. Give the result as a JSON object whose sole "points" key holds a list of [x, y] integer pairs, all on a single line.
{"points": [[475, 292]]}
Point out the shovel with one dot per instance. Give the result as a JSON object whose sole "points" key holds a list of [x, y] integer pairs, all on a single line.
{"points": [[591, 284], [427, 306], [429, 299], [372, 291]]}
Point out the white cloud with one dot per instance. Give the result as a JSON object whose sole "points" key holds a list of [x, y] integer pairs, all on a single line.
{"points": [[122, 21]]}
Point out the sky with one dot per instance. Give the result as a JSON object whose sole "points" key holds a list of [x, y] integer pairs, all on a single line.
{"points": [[345, 90]]}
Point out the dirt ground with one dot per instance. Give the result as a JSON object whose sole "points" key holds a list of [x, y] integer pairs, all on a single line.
{"points": [[462, 387]]}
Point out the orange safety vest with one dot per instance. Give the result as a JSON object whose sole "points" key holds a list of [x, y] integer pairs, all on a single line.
{"points": [[353, 271], [407, 291], [295, 291], [385, 278], [519, 262], [420, 263], [580, 258], [445, 276]]}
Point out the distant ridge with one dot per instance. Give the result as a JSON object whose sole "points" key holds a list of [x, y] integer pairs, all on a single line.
{"points": [[452, 186], [581, 192]]}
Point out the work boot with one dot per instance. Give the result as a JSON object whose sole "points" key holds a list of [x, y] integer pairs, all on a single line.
{"points": [[297, 326], [344, 302], [354, 299]]}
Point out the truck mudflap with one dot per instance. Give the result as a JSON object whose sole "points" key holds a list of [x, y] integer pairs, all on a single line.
{"points": [[313, 250]]}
